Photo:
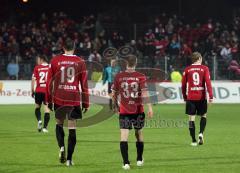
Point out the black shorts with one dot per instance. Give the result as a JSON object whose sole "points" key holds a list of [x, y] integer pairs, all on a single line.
{"points": [[40, 98], [127, 121], [67, 112], [194, 107], [109, 87]]}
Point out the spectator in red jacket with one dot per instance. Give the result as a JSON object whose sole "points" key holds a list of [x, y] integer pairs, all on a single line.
{"points": [[186, 50]]}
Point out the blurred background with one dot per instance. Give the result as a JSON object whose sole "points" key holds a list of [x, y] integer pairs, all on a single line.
{"points": [[163, 34]]}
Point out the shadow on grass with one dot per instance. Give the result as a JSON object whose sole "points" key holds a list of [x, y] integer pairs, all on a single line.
{"points": [[215, 159], [25, 168]]}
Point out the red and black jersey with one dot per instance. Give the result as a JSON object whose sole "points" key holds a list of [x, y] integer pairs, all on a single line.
{"points": [[129, 86], [40, 73], [196, 78], [67, 81]]}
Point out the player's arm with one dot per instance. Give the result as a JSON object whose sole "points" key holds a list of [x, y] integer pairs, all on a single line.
{"points": [[184, 85], [115, 101], [209, 85], [115, 93], [32, 86], [49, 85], [33, 83], [145, 96], [84, 86]]}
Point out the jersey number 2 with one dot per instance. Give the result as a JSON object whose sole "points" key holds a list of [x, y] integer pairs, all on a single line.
{"points": [[43, 77]]}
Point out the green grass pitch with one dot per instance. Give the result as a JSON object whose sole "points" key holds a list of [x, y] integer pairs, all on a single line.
{"points": [[167, 149]]}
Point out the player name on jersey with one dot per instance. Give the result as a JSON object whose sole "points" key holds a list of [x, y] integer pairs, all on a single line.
{"points": [[195, 69], [130, 78], [66, 62], [67, 87], [197, 88], [40, 68]]}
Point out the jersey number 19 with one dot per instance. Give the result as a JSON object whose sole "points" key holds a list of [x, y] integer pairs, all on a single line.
{"points": [[70, 74]]}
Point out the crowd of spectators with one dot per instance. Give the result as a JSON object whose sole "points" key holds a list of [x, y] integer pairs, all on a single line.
{"points": [[172, 36], [46, 36], [169, 36]]}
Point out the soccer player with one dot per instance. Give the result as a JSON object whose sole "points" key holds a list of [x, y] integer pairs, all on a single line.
{"points": [[131, 87], [39, 77], [195, 85], [67, 88], [108, 76]]}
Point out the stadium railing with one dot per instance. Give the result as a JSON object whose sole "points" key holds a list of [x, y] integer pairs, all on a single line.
{"points": [[25, 67], [166, 63]]}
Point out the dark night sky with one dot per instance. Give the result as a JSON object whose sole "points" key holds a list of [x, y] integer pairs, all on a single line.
{"points": [[200, 8]]}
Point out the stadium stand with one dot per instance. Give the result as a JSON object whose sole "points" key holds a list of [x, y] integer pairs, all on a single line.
{"points": [[165, 42]]}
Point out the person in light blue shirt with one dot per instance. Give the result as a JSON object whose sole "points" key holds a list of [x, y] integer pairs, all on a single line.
{"points": [[174, 47], [13, 70], [108, 77]]}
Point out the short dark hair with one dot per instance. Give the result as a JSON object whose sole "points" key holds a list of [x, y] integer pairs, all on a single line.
{"points": [[43, 57], [196, 56], [69, 44], [131, 60]]}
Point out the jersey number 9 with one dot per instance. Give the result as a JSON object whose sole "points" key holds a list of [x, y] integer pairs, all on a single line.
{"points": [[196, 78]]}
